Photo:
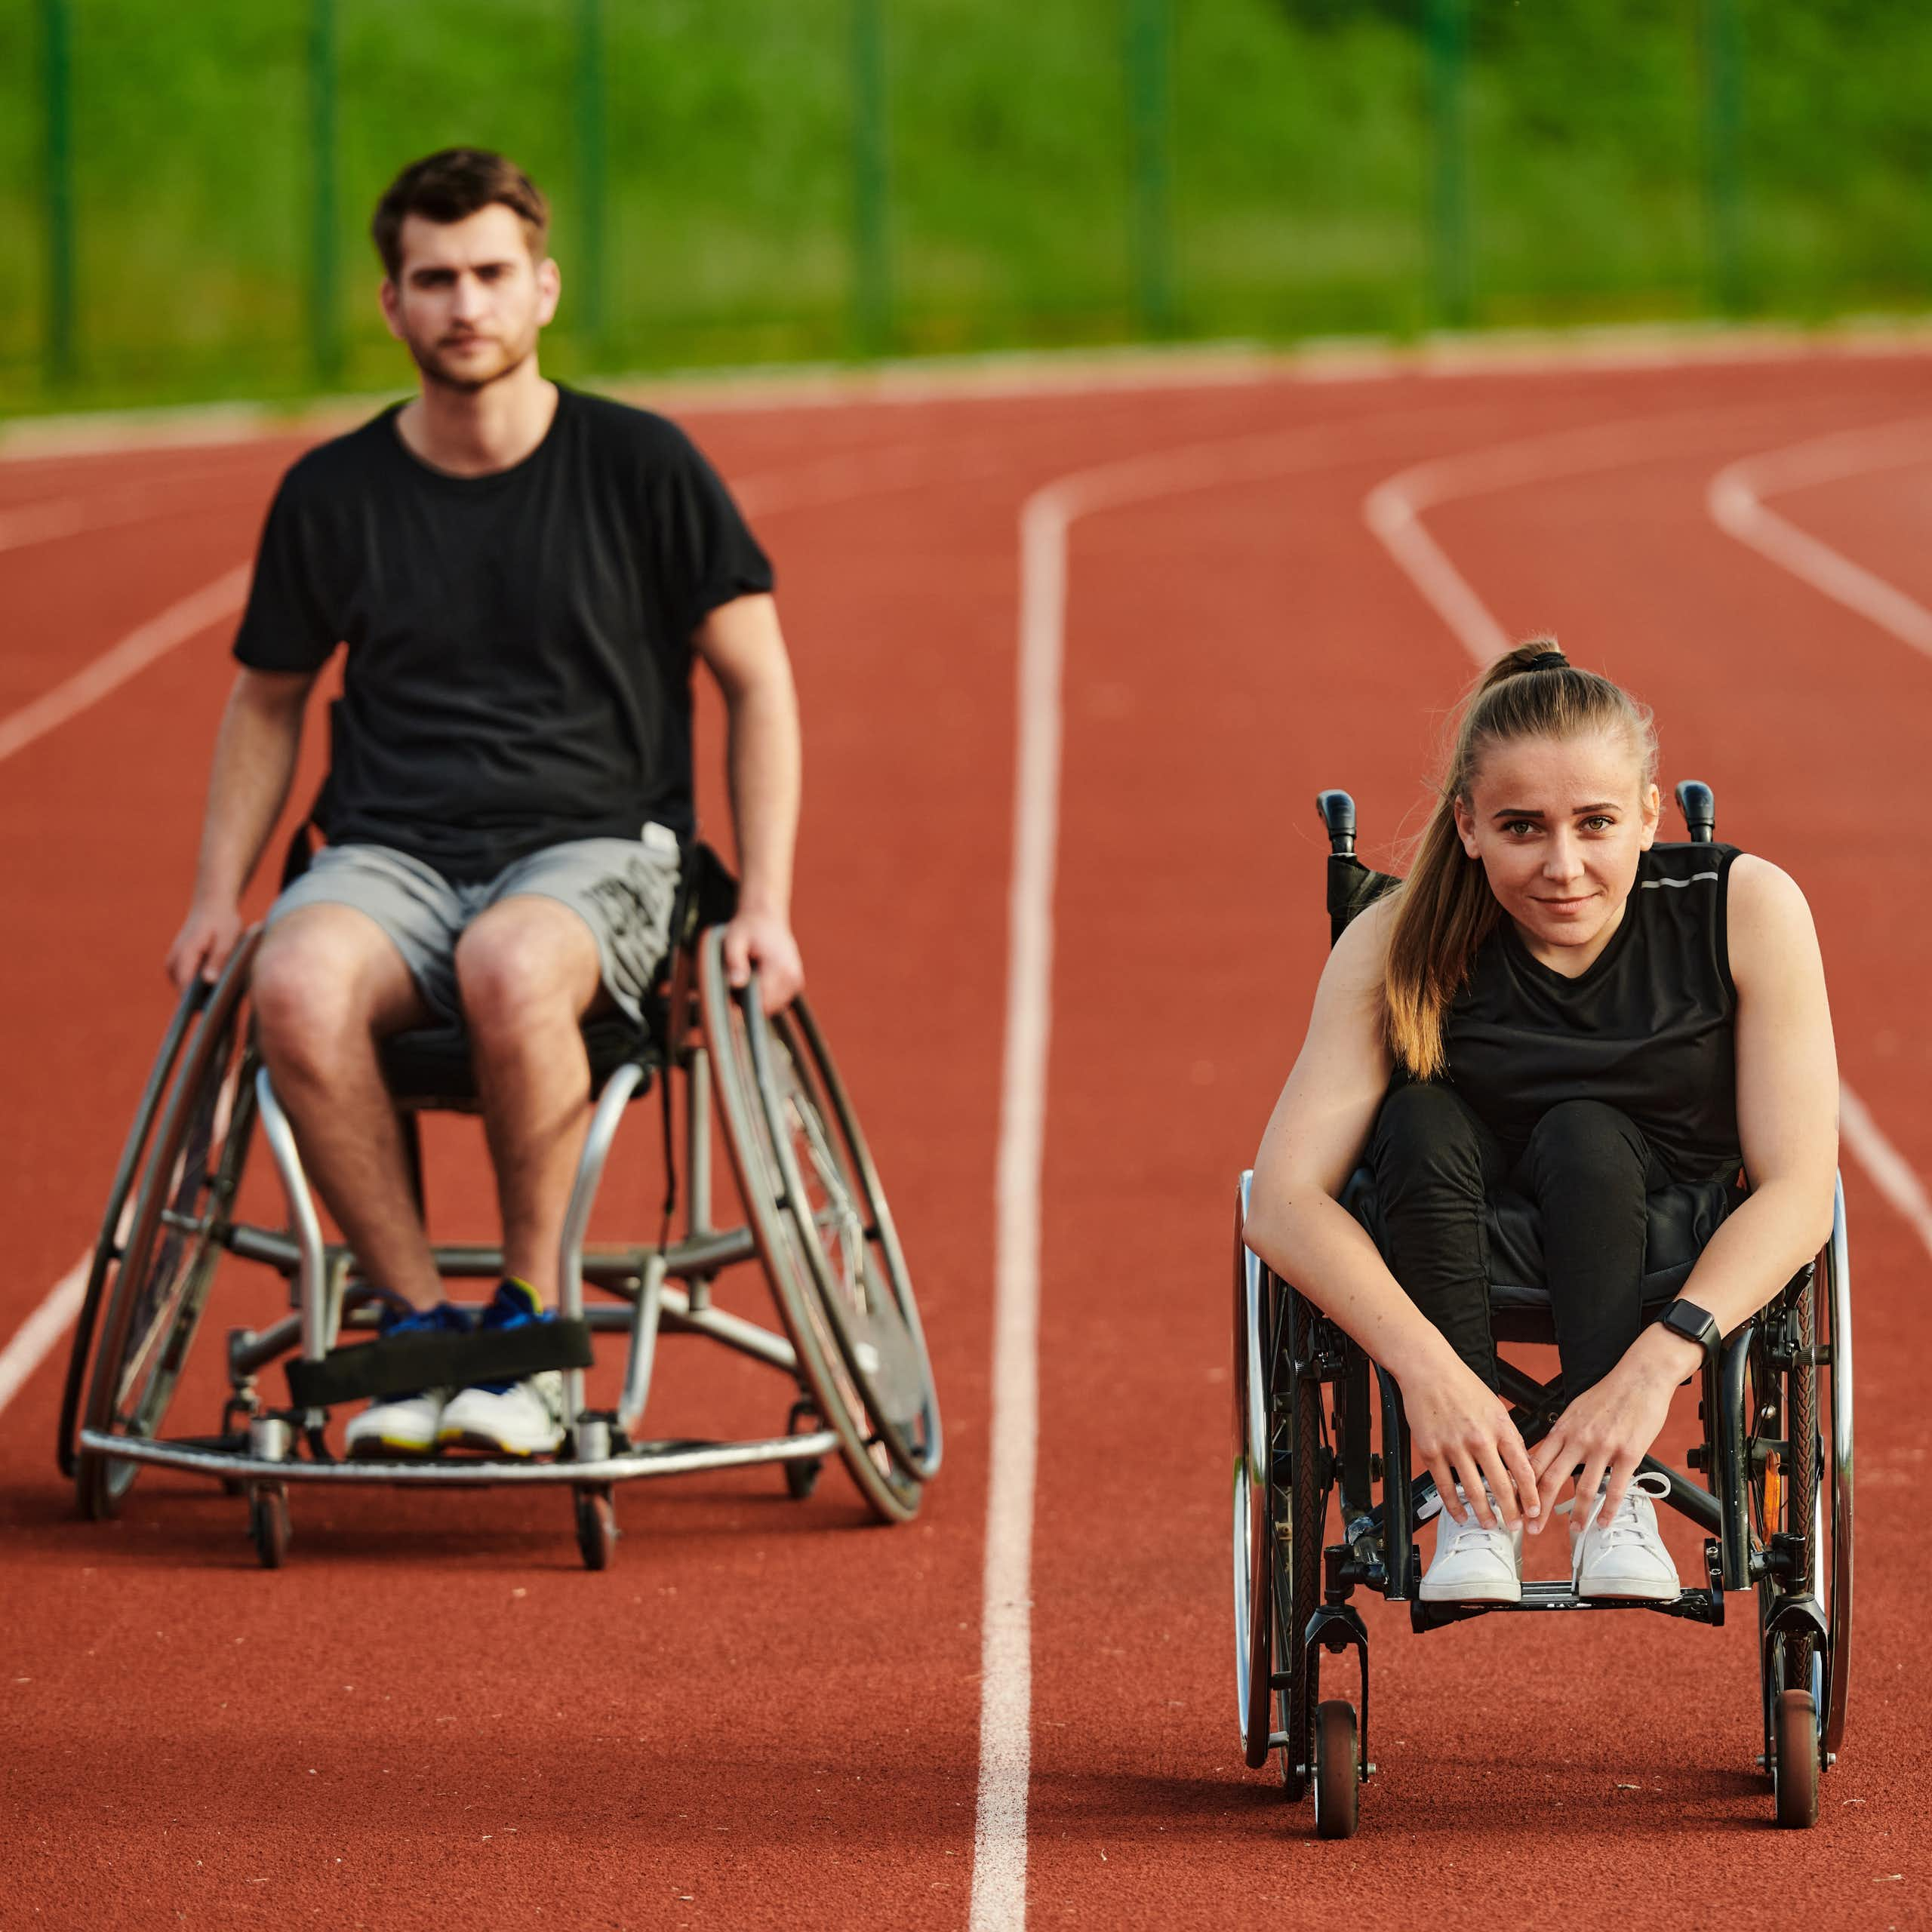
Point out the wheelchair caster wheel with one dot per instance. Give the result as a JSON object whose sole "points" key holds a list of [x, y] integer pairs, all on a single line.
{"points": [[1795, 1765], [268, 1524], [596, 1527], [801, 1477], [1337, 1770]]}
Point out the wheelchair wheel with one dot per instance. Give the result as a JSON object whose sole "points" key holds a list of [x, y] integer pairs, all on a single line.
{"points": [[108, 1242], [801, 1476], [1834, 1561], [596, 1511], [1280, 1504], [1796, 1761], [826, 1236], [175, 1238], [268, 1524], [1337, 1770]]}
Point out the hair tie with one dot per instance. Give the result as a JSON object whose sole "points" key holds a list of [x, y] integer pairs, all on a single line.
{"points": [[1548, 661]]}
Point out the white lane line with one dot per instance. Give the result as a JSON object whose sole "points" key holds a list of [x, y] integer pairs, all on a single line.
{"points": [[1394, 508], [1397, 503], [139, 648], [1735, 497], [1000, 1838], [1891, 1174], [34, 1340], [48, 519]]}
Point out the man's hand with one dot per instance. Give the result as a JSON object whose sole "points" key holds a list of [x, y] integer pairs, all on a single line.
{"points": [[765, 940], [206, 939], [1609, 1429]]}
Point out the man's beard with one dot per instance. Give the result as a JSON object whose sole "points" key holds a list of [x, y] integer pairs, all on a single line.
{"points": [[428, 359]]}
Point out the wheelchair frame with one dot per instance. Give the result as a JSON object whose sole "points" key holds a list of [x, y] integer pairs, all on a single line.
{"points": [[817, 1220], [1304, 1411]]}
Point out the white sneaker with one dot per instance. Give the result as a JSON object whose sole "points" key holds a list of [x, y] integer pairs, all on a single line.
{"points": [[1623, 1555], [525, 1418], [1473, 1564], [398, 1425]]}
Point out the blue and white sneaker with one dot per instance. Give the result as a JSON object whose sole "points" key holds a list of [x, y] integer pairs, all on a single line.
{"points": [[523, 1418], [406, 1425]]}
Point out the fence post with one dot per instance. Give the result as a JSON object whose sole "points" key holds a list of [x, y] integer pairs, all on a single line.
{"points": [[1150, 123], [57, 79], [872, 267], [592, 230], [1449, 223], [325, 329], [1723, 194]]}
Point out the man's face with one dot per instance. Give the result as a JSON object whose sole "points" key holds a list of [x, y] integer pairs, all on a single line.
{"points": [[469, 301]]}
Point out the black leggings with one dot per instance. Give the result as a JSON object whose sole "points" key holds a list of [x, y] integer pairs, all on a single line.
{"points": [[1586, 1169]]}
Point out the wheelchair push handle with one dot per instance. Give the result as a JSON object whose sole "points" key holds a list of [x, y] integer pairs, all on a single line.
{"points": [[1694, 800], [1338, 815]]}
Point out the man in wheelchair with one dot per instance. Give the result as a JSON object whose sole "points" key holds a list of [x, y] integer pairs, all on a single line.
{"points": [[520, 574], [1553, 1007]]}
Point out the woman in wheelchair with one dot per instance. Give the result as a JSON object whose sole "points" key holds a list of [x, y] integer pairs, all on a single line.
{"points": [[1554, 1005]]}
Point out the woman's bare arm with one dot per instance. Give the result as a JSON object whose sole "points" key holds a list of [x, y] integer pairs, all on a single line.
{"points": [[1461, 1429], [1787, 1119]]}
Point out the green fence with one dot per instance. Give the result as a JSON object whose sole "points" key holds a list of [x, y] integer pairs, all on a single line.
{"points": [[184, 191]]}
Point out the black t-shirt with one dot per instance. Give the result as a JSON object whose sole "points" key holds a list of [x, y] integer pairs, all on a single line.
{"points": [[518, 668], [1649, 1028]]}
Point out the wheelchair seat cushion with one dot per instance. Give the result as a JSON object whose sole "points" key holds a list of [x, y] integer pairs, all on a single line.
{"points": [[429, 1069], [1682, 1219]]}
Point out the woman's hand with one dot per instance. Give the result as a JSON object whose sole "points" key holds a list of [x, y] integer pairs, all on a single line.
{"points": [[1462, 1430], [1609, 1429]]}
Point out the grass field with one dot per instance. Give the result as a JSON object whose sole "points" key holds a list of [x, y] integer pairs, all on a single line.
{"points": [[1300, 171]]}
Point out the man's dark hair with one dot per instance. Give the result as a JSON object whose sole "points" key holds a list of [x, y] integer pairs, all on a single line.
{"points": [[450, 185]]}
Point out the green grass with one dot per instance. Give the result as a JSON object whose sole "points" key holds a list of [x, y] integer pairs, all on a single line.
{"points": [[1298, 175]]}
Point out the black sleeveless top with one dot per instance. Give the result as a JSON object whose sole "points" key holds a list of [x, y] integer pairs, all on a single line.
{"points": [[1647, 1029]]}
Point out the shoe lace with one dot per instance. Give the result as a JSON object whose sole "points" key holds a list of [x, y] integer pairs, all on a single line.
{"points": [[1625, 1526], [1469, 1533]]}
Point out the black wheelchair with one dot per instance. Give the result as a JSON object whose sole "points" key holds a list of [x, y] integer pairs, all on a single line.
{"points": [[1316, 1420], [851, 1350]]}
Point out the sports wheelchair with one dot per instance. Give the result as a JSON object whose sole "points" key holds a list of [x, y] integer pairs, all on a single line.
{"points": [[851, 1348], [1315, 1418]]}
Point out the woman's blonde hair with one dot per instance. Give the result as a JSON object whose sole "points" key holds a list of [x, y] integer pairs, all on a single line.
{"points": [[1445, 908]]}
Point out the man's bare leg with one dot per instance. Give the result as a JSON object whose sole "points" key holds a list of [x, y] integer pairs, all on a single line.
{"points": [[528, 969], [328, 983]]}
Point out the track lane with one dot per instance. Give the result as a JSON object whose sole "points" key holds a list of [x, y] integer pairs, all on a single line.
{"points": [[838, 1752], [836, 1706], [1499, 1768]]}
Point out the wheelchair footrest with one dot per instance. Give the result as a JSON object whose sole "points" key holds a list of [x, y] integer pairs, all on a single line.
{"points": [[1697, 1606], [399, 1364]]}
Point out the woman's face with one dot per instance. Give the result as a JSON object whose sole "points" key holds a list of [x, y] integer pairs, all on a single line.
{"points": [[1558, 824]]}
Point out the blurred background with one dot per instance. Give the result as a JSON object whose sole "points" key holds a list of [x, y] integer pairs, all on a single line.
{"points": [[184, 191]]}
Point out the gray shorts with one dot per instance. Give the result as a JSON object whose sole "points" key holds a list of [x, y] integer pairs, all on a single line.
{"points": [[623, 889]]}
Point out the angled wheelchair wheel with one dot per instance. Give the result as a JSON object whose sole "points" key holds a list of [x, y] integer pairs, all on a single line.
{"points": [[1281, 1500], [1800, 1457], [826, 1236], [1834, 1416], [176, 1231], [109, 1241]]}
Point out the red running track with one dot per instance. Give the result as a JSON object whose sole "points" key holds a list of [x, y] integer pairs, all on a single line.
{"points": [[767, 1714]]}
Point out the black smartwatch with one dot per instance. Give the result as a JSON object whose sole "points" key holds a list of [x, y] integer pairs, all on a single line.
{"points": [[1694, 1323]]}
